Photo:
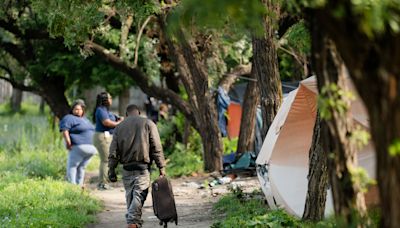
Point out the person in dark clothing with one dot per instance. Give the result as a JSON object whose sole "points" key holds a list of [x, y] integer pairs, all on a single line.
{"points": [[105, 124], [136, 142]]}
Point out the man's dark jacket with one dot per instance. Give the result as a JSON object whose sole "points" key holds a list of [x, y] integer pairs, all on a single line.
{"points": [[136, 141]]}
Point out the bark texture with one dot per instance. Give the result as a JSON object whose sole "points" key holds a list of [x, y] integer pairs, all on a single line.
{"points": [[248, 120], [374, 66], [330, 69], [314, 209], [206, 112], [265, 64], [16, 100], [123, 101]]}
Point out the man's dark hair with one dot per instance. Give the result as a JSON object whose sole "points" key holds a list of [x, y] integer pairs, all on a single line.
{"points": [[131, 108]]}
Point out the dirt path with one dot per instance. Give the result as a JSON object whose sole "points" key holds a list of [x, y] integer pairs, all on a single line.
{"points": [[194, 205]]}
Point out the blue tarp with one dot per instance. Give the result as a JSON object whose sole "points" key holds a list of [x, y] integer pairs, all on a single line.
{"points": [[223, 102]]}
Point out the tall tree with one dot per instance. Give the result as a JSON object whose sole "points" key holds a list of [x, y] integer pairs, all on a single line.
{"points": [[366, 36], [248, 120], [314, 208], [191, 63], [265, 65], [331, 75]]}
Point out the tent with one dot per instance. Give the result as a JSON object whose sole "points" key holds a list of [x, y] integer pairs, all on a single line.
{"points": [[234, 108], [229, 106], [283, 160]]}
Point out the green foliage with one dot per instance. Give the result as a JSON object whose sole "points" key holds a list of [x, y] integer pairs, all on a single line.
{"points": [[45, 203], [27, 108], [275, 218], [373, 17], [168, 132], [18, 131], [236, 51], [251, 212], [372, 220], [298, 37], [333, 98], [240, 210], [241, 15], [394, 148], [183, 162], [32, 163], [377, 16], [224, 51], [360, 137], [230, 145], [74, 20], [359, 177], [294, 49]]}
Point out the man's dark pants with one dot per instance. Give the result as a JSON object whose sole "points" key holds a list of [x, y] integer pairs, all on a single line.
{"points": [[136, 183]]}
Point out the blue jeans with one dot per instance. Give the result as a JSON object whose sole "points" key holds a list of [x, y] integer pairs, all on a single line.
{"points": [[78, 158], [136, 185]]}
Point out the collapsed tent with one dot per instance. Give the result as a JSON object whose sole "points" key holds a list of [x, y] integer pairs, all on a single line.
{"points": [[282, 164]]}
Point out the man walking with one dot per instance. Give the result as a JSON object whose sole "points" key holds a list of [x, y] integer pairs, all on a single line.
{"points": [[136, 143]]}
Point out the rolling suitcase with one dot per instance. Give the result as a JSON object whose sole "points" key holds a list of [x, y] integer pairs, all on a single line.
{"points": [[163, 201]]}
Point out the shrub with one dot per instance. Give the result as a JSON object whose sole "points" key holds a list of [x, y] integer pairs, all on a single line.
{"points": [[183, 162]]}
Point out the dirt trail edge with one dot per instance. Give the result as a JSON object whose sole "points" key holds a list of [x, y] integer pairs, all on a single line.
{"points": [[194, 205]]}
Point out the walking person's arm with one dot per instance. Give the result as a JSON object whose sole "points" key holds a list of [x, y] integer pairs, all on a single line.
{"points": [[111, 124], [156, 150]]}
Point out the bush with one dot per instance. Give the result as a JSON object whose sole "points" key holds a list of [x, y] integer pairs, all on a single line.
{"points": [[183, 162]]}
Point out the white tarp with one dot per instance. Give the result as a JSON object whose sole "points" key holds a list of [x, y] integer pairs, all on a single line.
{"points": [[283, 159]]}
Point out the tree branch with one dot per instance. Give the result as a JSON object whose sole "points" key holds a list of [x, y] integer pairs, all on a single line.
{"points": [[229, 78], [16, 84], [10, 26], [138, 39], [141, 80], [15, 52], [126, 25]]}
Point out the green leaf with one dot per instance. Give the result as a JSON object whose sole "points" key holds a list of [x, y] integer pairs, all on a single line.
{"points": [[394, 148]]}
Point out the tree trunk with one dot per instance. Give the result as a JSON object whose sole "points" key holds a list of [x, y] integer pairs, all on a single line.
{"points": [[123, 101], [314, 209], [206, 112], [42, 105], [265, 64], [52, 90], [248, 120], [330, 69], [374, 66], [186, 132], [385, 128], [16, 100]]}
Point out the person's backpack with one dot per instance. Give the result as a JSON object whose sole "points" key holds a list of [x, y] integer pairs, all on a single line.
{"points": [[164, 201]]}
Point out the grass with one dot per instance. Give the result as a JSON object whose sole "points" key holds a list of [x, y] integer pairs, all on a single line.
{"points": [[249, 210], [239, 210], [33, 192], [45, 203]]}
